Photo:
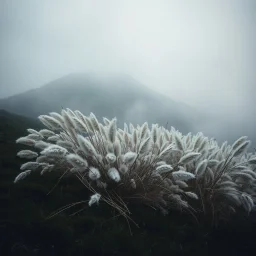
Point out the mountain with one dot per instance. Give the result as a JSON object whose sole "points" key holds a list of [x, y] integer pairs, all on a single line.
{"points": [[109, 96]]}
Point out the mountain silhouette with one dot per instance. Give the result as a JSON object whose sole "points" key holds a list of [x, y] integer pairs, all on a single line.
{"points": [[116, 95]]}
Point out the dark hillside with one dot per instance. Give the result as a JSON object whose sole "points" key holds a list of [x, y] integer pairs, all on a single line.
{"points": [[26, 229]]}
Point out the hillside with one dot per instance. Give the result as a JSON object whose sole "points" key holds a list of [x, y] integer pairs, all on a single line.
{"points": [[15, 125], [25, 207], [111, 96]]}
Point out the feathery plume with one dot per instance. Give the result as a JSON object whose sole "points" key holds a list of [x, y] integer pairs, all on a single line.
{"points": [[114, 174], [94, 173], [130, 157], [28, 154], [77, 161], [189, 157], [86, 146], [94, 199], [111, 158], [22, 176], [182, 175], [54, 151], [25, 141], [112, 131]]}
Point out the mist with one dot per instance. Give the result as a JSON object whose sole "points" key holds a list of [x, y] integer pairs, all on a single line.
{"points": [[198, 52]]}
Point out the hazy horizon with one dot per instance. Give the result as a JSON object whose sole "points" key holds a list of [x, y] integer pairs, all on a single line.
{"points": [[201, 53]]}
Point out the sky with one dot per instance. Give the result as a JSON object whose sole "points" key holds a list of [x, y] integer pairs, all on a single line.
{"points": [[199, 52]]}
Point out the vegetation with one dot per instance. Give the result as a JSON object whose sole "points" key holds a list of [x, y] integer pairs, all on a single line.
{"points": [[35, 222]]}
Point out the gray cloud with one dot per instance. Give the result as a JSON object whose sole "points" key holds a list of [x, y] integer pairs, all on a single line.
{"points": [[199, 52]]}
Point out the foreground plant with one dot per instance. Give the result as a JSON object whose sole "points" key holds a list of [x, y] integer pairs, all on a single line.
{"points": [[157, 167], [225, 176]]}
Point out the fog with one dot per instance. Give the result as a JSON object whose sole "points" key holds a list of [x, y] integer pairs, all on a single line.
{"points": [[198, 52]]}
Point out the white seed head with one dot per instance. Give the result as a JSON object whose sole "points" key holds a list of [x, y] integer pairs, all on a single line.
{"points": [[94, 173], [94, 199], [114, 174]]}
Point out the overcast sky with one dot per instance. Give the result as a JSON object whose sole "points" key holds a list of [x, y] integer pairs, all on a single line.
{"points": [[199, 52]]}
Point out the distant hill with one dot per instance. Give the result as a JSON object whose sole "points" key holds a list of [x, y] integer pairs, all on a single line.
{"points": [[111, 96]]}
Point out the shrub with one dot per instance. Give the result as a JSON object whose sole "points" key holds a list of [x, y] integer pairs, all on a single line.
{"points": [[156, 167]]}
